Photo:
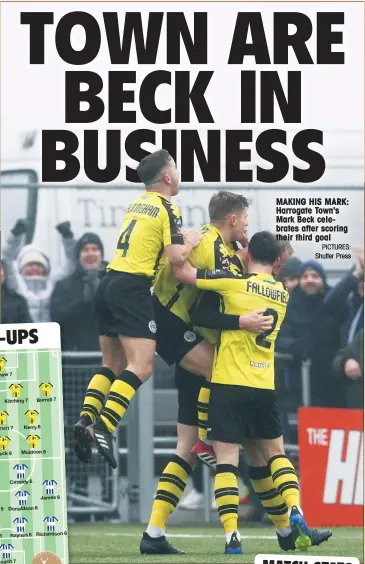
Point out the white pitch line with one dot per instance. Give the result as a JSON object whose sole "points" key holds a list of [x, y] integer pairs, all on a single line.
{"points": [[186, 535], [173, 535]]}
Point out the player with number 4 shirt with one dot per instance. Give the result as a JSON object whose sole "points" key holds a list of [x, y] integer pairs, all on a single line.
{"points": [[150, 234]]}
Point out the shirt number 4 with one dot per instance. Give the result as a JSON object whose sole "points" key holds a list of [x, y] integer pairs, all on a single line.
{"points": [[123, 243]]}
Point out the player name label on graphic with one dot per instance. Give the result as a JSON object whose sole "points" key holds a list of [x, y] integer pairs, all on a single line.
{"points": [[32, 467], [307, 559]]}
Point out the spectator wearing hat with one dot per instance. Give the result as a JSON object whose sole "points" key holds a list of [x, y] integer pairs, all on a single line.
{"points": [[310, 331], [14, 308], [72, 306], [290, 272], [28, 270], [72, 301]]}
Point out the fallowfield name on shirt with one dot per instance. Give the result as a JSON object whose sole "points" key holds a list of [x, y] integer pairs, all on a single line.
{"points": [[307, 559]]}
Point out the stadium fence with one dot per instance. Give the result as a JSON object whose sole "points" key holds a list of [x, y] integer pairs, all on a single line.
{"points": [[145, 440]]}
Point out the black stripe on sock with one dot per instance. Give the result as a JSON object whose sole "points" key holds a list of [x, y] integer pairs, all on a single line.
{"points": [[120, 400], [164, 495], [112, 415], [279, 510], [228, 509], [95, 394], [202, 424], [275, 457], [91, 409], [185, 465], [287, 486], [171, 479], [130, 378], [107, 373], [283, 471], [226, 491], [259, 472], [270, 494], [221, 468]]}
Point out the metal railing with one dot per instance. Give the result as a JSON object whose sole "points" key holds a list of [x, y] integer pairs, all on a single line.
{"points": [[95, 488]]}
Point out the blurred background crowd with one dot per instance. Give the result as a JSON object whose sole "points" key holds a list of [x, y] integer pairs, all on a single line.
{"points": [[323, 324]]}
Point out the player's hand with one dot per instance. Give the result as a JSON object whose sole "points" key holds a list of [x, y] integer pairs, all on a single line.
{"points": [[244, 240], [192, 238], [243, 254], [352, 369], [255, 322], [21, 227]]}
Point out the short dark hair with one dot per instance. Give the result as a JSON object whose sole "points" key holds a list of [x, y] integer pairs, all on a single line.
{"points": [[285, 246], [224, 203], [264, 248], [150, 166]]}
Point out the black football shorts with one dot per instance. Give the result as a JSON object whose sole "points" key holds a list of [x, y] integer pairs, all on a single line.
{"points": [[239, 413], [174, 337], [123, 305]]}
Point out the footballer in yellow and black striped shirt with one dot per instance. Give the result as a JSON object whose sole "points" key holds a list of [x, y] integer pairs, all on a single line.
{"points": [[151, 232], [178, 342], [242, 405]]}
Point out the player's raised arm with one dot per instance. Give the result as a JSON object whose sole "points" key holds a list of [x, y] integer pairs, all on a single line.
{"points": [[178, 253], [185, 273]]}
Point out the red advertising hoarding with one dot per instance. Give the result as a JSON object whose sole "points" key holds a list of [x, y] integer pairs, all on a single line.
{"points": [[331, 443]]}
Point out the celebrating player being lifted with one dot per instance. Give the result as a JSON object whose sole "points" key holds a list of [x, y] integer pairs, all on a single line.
{"points": [[150, 234], [179, 342], [242, 406]]}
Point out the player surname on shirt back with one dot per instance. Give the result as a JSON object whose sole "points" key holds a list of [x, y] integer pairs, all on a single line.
{"points": [[151, 223], [243, 358]]}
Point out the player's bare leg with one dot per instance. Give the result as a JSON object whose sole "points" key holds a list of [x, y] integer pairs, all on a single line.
{"points": [[169, 491], [199, 360], [113, 363], [139, 354], [226, 493], [285, 481]]}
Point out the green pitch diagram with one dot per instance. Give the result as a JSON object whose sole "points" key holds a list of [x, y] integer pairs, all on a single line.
{"points": [[33, 517]]}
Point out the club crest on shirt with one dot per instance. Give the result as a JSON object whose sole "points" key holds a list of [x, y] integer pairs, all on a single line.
{"points": [[225, 263], [152, 326], [189, 336]]}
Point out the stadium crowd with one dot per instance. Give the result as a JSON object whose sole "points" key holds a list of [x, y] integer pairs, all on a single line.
{"points": [[323, 323]]}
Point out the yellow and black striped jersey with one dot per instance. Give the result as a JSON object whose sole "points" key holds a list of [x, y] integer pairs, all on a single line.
{"points": [[180, 299], [151, 223], [243, 358]]}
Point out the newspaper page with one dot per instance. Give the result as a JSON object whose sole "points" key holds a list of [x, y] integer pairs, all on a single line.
{"points": [[262, 101]]}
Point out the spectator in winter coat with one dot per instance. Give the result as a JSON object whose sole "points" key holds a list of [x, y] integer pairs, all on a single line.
{"points": [[14, 308], [345, 301], [309, 331], [290, 272], [349, 365], [72, 301], [28, 269]]}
